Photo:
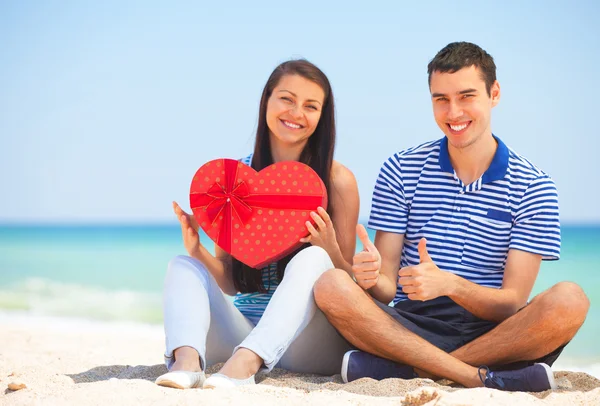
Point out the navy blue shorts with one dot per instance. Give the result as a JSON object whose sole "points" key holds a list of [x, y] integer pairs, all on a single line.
{"points": [[449, 326]]}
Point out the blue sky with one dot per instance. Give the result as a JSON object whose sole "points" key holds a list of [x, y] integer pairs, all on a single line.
{"points": [[107, 109]]}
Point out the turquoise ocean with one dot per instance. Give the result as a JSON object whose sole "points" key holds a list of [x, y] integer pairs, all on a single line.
{"points": [[115, 273]]}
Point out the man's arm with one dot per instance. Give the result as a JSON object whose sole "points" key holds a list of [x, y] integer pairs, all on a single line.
{"points": [[426, 281], [376, 268], [535, 236], [499, 304], [390, 247]]}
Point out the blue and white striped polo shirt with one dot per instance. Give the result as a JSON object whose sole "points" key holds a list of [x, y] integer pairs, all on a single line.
{"points": [[253, 305], [469, 228]]}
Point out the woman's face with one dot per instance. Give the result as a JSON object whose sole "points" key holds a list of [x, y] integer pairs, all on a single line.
{"points": [[294, 110]]}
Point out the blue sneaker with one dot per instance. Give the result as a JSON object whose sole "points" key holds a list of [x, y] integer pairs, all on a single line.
{"points": [[357, 364], [536, 378]]}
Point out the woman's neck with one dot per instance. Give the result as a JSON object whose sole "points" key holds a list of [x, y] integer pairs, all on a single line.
{"points": [[286, 152]]}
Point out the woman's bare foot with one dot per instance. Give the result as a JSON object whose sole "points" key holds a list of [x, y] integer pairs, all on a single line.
{"points": [[242, 364], [186, 359]]}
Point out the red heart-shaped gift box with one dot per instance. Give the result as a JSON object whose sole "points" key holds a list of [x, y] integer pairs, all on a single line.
{"points": [[257, 217]]}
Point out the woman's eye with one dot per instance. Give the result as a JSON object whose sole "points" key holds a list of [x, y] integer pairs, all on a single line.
{"points": [[287, 99], [312, 107]]}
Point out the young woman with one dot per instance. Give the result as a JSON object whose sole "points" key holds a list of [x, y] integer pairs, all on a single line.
{"points": [[273, 319]]}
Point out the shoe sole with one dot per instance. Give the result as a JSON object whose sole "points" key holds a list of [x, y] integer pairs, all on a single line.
{"points": [[168, 381], [550, 375], [170, 384], [345, 361]]}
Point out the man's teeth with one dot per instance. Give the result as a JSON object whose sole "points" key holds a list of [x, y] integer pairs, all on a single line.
{"points": [[292, 125], [458, 127]]}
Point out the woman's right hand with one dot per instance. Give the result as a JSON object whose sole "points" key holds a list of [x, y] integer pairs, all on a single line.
{"points": [[189, 230], [219, 266]]}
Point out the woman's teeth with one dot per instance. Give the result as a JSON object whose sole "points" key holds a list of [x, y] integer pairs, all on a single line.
{"points": [[291, 125]]}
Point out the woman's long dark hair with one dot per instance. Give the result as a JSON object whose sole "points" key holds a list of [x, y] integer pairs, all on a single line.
{"points": [[318, 154]]}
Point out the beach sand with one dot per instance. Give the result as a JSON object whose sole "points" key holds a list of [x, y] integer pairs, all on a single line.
{"points": [[79, 362]]}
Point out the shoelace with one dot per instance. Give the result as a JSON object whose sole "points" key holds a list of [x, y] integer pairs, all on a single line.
{"points": [[489, 375]]}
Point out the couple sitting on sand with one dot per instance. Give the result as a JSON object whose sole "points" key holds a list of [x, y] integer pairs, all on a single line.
{"points": [[462, 223]]}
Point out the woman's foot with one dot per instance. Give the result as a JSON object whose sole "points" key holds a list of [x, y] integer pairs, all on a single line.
{"points": [[242, 364], [185, 373], [186, 359], [238, 370]]}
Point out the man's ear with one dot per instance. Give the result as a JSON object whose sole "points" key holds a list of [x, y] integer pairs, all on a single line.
{"points": [[495, 93]]}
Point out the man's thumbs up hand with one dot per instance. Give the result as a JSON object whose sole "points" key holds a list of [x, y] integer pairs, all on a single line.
{"points": [[423, 254], [425, 281], [366, 264]]}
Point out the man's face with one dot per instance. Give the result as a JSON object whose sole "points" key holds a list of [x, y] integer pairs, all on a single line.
{"points": [[461, 105]]}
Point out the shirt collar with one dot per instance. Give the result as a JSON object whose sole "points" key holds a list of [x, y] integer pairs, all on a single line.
{"points": [[497, 169]]}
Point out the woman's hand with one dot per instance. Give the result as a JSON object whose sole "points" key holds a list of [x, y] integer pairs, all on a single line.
{"points": [[218, 265], [189, 230], [324, 234]]}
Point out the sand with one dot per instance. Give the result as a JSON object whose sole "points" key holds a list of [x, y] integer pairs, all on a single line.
{"points": [[79, 362]]}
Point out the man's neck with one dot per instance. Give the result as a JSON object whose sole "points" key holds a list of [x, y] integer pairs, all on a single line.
{"points": [[470, 163]]}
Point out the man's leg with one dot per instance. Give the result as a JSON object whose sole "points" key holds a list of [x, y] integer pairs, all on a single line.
{"points": [[354, 314], [549, 321]]}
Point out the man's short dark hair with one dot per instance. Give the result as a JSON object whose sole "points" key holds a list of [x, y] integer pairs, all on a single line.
{"points": [[457, 55]]}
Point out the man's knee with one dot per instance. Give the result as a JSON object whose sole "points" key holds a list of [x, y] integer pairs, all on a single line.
{"points": [[573, 297], [331, 288], [568, 301]]}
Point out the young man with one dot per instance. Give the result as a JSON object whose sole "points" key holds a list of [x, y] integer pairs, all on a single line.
{"points": [[463, 224]]}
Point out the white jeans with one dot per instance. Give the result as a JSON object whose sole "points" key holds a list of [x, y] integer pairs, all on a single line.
{"points": [[292, 333]]}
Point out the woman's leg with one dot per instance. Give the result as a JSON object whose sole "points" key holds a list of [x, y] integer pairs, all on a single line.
{"points": [[202, 326], [291, 309], [318, 349]]}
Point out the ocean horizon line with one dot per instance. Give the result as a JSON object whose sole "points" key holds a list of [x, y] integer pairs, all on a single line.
{"points": [[592, 223]]}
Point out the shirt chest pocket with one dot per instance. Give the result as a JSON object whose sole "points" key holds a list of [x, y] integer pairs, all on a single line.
{"points": [[487, 239]]}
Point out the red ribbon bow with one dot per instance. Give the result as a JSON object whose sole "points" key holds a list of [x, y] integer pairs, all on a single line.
{"points": [[236, 198], [226, 197]]}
